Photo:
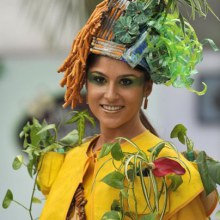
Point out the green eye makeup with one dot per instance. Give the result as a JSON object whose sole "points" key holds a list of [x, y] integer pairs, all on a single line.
{"points": [[124, 81], [131, 81], [96, 78]]}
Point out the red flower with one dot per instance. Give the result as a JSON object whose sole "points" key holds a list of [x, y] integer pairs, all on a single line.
{"points": [[164, 166]]}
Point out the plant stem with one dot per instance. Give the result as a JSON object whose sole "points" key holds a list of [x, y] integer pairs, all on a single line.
{"points": [[32, 196], [18, 203]]}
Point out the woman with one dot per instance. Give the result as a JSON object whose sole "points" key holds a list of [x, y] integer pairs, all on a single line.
{"points": [[117, 70]]}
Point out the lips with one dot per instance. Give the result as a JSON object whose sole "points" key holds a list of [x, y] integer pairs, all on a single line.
{"points": [[112, 108]]}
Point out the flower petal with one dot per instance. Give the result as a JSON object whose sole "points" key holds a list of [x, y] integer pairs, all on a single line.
{"points": [[165, 166]]}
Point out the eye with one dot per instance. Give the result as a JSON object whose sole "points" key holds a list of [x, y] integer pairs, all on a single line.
{"points": [[126, 82], [96, 78], [99, 80]]}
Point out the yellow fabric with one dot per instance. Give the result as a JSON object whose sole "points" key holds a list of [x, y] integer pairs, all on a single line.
{"points": [[181, 206], [49, 166]]}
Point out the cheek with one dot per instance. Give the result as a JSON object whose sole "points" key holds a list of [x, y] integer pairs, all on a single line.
{"points": [[93, 97]]}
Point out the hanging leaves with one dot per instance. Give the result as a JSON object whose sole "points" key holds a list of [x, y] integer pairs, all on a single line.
{"points": [[208, 183], [7, 199], [114, 179], [17, 163]]}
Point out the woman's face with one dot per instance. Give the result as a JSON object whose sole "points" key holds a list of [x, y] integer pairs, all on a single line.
{"points": [[115, 92]]}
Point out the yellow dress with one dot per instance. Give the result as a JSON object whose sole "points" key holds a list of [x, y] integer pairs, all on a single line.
{"points": [[60, 176]]}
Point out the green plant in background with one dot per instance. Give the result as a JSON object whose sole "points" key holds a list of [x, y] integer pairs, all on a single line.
{"points": [[209, 168], [39, 14], [40, 138]]}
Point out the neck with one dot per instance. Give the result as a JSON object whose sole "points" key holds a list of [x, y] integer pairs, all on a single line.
{"points": [[128, 130]]}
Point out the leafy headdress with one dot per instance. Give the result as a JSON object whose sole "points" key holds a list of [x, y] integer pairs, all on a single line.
{"points": [[149, 33]]}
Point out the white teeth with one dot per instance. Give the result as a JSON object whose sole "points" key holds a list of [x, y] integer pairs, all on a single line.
{"points": [[112, 108]]}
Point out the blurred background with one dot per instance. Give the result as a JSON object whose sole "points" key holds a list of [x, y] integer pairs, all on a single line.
{"points": [[35, 38]]}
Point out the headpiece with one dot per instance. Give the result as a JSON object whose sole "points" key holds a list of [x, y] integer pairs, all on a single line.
{"points": [[149, 33]]}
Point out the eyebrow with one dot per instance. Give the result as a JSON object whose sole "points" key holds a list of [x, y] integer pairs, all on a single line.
{"points": [[122, 76]]}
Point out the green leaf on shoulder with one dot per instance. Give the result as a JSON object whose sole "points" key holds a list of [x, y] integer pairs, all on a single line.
{"points": [[17, 163], [51, 147], [7, 199], [112, 215], [46, 128], [74, 118], [114, 179], [208, 183], [71, 138], [214, 170], [81, 128], [89, 118], [30, 168], [157, 149], [116, 152], [179, 131], [106, 149], [176, 181]]}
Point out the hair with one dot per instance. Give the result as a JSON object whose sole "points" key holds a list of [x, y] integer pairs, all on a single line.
{"points": [[144, 120]]}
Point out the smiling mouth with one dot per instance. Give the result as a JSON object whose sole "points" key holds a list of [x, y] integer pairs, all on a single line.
{"points": [[112, 108]]}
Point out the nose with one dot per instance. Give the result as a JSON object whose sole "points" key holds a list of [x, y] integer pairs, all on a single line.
{"points": [[111, 93]]}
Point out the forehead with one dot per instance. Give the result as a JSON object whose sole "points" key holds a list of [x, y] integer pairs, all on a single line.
{"points": [[109, 66]]}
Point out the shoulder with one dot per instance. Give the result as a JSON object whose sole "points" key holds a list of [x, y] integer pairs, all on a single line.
{"points": [[83, 148]]}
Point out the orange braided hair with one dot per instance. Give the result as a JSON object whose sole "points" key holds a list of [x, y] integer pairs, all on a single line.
{"points": [[74, 67]]}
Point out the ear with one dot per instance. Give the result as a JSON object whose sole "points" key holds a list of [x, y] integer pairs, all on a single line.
{"points": [[148, 88]]}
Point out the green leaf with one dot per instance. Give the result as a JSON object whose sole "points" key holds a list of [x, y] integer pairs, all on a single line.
{"points": [[214, 170], [116, 152], [106, 149], [51, 147], [176, 181], [208, 183], [17, 163], [114, 179], [90, 119], [30, 167], [46, 128], [112, 215], [36, 200], [157, 149], [34, 129], [131, 174], [74, 118], [7, 199], [71, 138], [81, 128], [179, 131]]}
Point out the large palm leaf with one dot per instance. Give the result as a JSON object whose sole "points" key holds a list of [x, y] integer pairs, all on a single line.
{"points": [[60, 19], [57, 18]]}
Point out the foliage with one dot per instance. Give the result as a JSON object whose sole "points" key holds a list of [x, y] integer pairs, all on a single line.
{"points": [[162, 41], [208, 168], [149, 169], [40, 138]]}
